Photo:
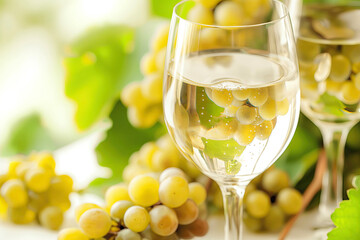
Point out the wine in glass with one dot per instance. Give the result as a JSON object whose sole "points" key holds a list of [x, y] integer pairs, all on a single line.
{"points": [[231, 93]]}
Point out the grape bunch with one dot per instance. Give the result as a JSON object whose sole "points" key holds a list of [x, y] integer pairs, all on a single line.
{"points": [[149, 207], [31, 190]]}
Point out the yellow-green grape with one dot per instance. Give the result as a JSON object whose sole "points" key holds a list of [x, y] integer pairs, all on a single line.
{"points": [[133, 170], [127, 234], [119, 208], [79, 210], [242, 94], [258, 96], [72, 234], [37, 180], [356, 67], [61, 184], [148, 64], [22, 169], [136, 218], [222, 98], [255, 9], [144, 118], [191, 169], [264, 130], [21, 215], [228, 14], [187, 213], [223, 130], [230, 111], [3, 208], [116, 193], [245, 134], [152, 88], [46, 161], [3, 179], [275, 219], [350, 94], [144, 190], [208, 3], [268, 110], [163, 220], [282, 107], [132, 95], [352, 52], [277, 91], [161, 160], [332, 86], [95, 223], [14, 193], [246, 114], [249, 189], [51, 217], [307, 51], [258, 204], [13, 165], [289, 200], [200, 14], [197, 192], [252, 223], [356, 81], [211, 38], [275, 180], [174, 191], [37, 201], [59, 199], [340, 68], [147, 152], [160, 60], [166, 143], [172, 171], [160, 38]]}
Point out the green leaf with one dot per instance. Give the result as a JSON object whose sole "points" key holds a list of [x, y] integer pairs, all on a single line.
{"points": [[331, 104], [211, 115], [163, 8], [347, 218], [225, 150]]}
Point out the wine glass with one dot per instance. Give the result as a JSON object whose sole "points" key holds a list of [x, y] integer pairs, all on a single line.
{"points": [[329, 60], [231, 94]]}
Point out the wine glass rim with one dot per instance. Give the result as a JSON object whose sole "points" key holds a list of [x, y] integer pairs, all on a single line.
{"points": [[285, 15]]}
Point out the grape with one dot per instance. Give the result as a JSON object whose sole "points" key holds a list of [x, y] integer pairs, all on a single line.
{"points": [[187, 213], [152, 88], [167, 144], [14, 193], [163, 220], [228, 14], [184, 232], [51, 217], [141, 117], [258, 96], [351, 52], [172, 171], [200, 14], [208, 3], [258, 204], [143, 190], [197, 192], [350, 93], [127, 234], [332, 86], [72, 234], [264, 130], [356, 67], [222, 98], [79, 210], [241, 94], [199, 227], [46, 161], [3, 208], [274, 221], [59, 199], [245, 134], [146, 153], [13, 165], [211, 38], [116, 193], [356, 81], [160, 38], [133, 170], [148, 64], [37, 180], [119, 208], [268, 110], [95, 223], [340, 68], [224, 130], [160, 60], [307, 50], [254, 224], [246, 114], [22, 169], [21, 215], [132, 95], [289, 200], [249, 189], [37, 201], [136, 218], [174, 191], [230, 111], [275, 180], [277, 92], [282, 107]]}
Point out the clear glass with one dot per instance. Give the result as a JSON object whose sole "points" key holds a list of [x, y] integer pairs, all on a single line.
{"points": [[231, 98], [329, 59]]}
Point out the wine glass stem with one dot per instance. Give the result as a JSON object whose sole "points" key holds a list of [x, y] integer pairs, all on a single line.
{"points": [[232, 196]]}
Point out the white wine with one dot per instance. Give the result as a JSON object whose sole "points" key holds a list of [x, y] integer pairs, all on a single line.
{"points": [[231, 112]]}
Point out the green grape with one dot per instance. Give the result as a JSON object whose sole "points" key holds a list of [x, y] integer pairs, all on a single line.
{"points": [[245, 134], [187, 213], [208, 3], [356, 81], [230, 111], [13, 165], [119, 208], [246, 114], [268, 110], [152, 88], [228, 14], [282, 107], [141, 117], [352, 52], [253, 224], [14, 193], [289, 200], [62, 184], [211, 38], [277, 92], [127, 234], [350, 94], [172, 171], [307, 51], [174, 191], [340, 68], [132, 95], [160, 60], [275, 180], [163, 220], [184, 232], [37, 201], [242, 94], [264, 130], [197, 192], [45, 161], [332, 86], [21, 215], [222, 98], [258, 96], [59, 199], [160, 38], [72, 234], [3, 208], [249, 189], [22, 169], [146, 153], [167, 144], [356, 67], [258, 204], [51, 217], [275, 219], [144, 190], [133, 170], [37, 180], [148, 64], [116, 193], [79, 210], [136, 218], [200, 14], [95, 223], [199, 227]]}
